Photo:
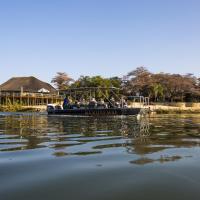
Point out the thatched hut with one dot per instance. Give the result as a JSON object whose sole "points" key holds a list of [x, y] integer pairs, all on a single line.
{"points": [[26, 84]]}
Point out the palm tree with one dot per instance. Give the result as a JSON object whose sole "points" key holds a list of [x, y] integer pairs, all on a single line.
{"points": [[158, 90]]}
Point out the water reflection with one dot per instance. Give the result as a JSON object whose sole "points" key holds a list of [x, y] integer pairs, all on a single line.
{"points": [[20, 132], [162, 159], [49, 157], [82, 136]]}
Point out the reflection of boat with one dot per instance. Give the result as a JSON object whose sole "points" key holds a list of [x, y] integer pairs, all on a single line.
{"points": [[118, 107], [136, 129], [94, 111]]}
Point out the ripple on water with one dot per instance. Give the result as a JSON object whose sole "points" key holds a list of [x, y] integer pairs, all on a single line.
{"points": [[23, 132], [115, 158]]}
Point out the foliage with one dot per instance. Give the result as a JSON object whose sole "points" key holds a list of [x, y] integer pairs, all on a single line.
{"points": [[97, 82], [62, 80], [140, 81], [162, 86], [11, 107]]}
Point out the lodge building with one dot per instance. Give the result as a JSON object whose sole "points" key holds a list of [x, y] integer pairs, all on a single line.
{"points": [[28, 91]]}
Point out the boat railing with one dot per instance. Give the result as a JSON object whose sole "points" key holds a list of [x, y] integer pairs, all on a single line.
{"points": [[138, 101], [27, 94]]}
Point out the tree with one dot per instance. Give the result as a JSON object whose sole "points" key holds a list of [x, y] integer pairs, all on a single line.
{"points": [[62, 80], [138, 81], [97, 82], [157, 91], [115, 82], [165, 86]]}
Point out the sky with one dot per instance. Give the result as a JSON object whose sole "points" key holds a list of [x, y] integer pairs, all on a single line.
{"points": [[98, 37]]}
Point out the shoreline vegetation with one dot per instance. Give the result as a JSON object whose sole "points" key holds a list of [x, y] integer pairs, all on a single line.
{"points": [[20, 108], [176, 108], [166, 109]]}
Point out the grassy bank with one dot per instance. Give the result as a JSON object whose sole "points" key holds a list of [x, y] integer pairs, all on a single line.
{"points": [[176, 108], [177, 111], [20, 108]]}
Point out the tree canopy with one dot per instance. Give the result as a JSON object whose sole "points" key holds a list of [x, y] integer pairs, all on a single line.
{"points": [[140, 81], [62, 80]]}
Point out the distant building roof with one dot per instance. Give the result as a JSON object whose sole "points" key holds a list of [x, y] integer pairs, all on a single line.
{"points": [[29, 84]]}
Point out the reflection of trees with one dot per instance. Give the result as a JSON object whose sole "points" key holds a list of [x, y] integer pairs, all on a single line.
{"points": [[34, 131], [39, 130], [28, 127], [24, 125], [168, 131]]}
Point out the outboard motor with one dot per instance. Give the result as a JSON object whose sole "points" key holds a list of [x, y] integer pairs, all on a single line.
{"points": [[50, 108], [58, 107]]}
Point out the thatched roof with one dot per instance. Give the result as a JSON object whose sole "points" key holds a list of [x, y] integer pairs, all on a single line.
{"points": [[29, 84]]}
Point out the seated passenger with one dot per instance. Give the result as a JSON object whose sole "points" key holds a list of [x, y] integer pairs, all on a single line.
{"points": [[124, 103], [92, 103], [112, 103], [83, 103], [117, 104], [101, 104], [77, 104]]}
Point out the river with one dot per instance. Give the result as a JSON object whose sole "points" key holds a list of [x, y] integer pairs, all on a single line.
{"points": [[107, 158]]}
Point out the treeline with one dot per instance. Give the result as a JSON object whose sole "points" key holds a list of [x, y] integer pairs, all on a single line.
{"points": [[163, 87]]}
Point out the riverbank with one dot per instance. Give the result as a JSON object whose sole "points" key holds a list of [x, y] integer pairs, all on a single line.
{"points": [[176, 111], [171, 107], [175, 108], [19, 108]]}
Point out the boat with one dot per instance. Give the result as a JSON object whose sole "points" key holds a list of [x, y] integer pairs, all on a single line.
{"points": [[118, 107]]}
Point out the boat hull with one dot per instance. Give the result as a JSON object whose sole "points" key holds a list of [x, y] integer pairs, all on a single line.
{"points": [[97, 111]]}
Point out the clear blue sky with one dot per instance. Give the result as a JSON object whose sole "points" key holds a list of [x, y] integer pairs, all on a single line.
{"points": [[98, 37]]}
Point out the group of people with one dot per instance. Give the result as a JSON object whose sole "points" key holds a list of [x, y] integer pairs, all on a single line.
{"points": [[93, 103]]}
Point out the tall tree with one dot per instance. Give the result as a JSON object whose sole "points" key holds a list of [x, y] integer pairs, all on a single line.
{"points": [[62, 80], [138, 81]]}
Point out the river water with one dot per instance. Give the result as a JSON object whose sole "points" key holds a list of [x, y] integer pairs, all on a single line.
{"points": [[58, 157]]}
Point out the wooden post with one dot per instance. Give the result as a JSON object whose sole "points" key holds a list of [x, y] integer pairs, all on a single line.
{"points": [[28, 100], [13, 98], [21, 92], [6, 99], [0, 96]]}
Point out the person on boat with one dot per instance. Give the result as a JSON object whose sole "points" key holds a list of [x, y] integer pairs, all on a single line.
{"points": [[117, 104], [124, 103], [111, 102], [83, 103], [77, 104], [101, 104], [66, 103], [92, 103]]}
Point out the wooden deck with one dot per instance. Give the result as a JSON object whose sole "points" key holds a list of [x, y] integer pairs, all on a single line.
{"points": [[29, 99]]}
